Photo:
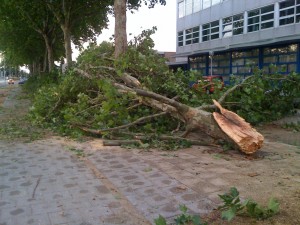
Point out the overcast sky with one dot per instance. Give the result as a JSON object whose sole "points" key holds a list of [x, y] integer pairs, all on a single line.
{"points": [[163, 17]]}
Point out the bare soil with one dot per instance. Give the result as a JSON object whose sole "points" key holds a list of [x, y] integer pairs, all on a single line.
{"points": [[273, 171]]}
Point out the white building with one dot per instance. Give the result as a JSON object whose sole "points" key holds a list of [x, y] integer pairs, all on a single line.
{"points": [[241, 35]]}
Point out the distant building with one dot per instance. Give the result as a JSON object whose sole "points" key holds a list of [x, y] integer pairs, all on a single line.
{"points": [[240, 34]]}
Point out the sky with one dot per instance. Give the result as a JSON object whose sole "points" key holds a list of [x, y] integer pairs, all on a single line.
{"points": [[163, 17]]}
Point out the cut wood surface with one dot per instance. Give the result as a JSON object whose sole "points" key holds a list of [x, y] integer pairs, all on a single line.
{"points": [[241, 132]]}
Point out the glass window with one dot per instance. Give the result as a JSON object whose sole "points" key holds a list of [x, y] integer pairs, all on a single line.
{"points": [[210, 31], [286, 4], [188, 7], [285, 59], [192, 36], [181, 9], [206, 4], [214, 2], [197, 5], [289, 12], [180, 38], [262, 18]]}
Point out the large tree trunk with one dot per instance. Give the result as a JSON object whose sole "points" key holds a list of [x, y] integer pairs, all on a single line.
{"points": [[120, 27], [67, 44], [224, 125], [49, 52]]}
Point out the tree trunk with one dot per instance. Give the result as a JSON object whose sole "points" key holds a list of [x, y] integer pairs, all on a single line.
{"points": [[225, 125], [49, 52], [120, 27], [67, 44]]}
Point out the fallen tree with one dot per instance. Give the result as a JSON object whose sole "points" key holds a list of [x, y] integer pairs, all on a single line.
{"points": [[136, 99], [224, 125]]}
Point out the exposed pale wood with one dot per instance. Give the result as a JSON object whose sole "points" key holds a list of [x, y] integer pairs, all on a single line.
{"points": [[247, 138]]}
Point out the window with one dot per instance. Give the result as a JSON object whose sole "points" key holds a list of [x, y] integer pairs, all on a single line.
{"points": [[180, 38], [289, 12], [206, 4], [197, 5], [243, 62], [238, 24], [181, 9], [192, 36], [233, 25], [198, 63], [188, 7], [285, 59], [262, 18], [220, 64], [267, 17], [210, 31]]}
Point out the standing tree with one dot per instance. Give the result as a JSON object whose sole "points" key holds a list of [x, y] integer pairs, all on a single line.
{"points": [[120, 20], [80, 21]]}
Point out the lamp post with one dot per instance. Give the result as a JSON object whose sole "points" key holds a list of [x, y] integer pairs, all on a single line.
{"points": [[211, 53]]}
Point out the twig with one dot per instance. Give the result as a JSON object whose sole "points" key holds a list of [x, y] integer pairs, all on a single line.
{"points": [[93, 131], [37, 183]]}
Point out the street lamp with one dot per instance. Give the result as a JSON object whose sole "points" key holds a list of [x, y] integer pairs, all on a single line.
{"points": [[211, 53]]}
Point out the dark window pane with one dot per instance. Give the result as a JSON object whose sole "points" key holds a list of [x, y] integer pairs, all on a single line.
{"points": [[227, 20], [298, 9], [205, 38], [238, 24], [205, 32], [253, 28], [214, 36], [267, 25], [298, 1], [195, 29], [237, 31], [206, 26], [286, 21], [253, 13], [253, 20], [188, 42], [215, 23], [266, 9], [267, 17], [287, 12], [238, 17], [188, 36], [298, 19], [286, 4], [180, 38], [195, 40], [214, 30]]}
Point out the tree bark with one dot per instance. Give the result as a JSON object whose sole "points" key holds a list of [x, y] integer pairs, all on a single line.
{"points": [[120, 27], [67, 44], [49, 52]]}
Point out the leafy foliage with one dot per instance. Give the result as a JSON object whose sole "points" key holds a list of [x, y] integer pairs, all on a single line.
{"points": [[183, 219], [265, 97], [233, 206]]}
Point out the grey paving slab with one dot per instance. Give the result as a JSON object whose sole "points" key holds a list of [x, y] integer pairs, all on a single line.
{"points": [[43, 183], [148, 188]]}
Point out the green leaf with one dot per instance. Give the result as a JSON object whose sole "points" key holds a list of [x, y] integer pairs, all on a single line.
{"points": [[183, 208], [228, 214], [273, 205], [196, 220], [160, 221]]}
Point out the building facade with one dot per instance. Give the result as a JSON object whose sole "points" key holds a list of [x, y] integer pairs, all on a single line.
{"points": [[224, 37]]}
